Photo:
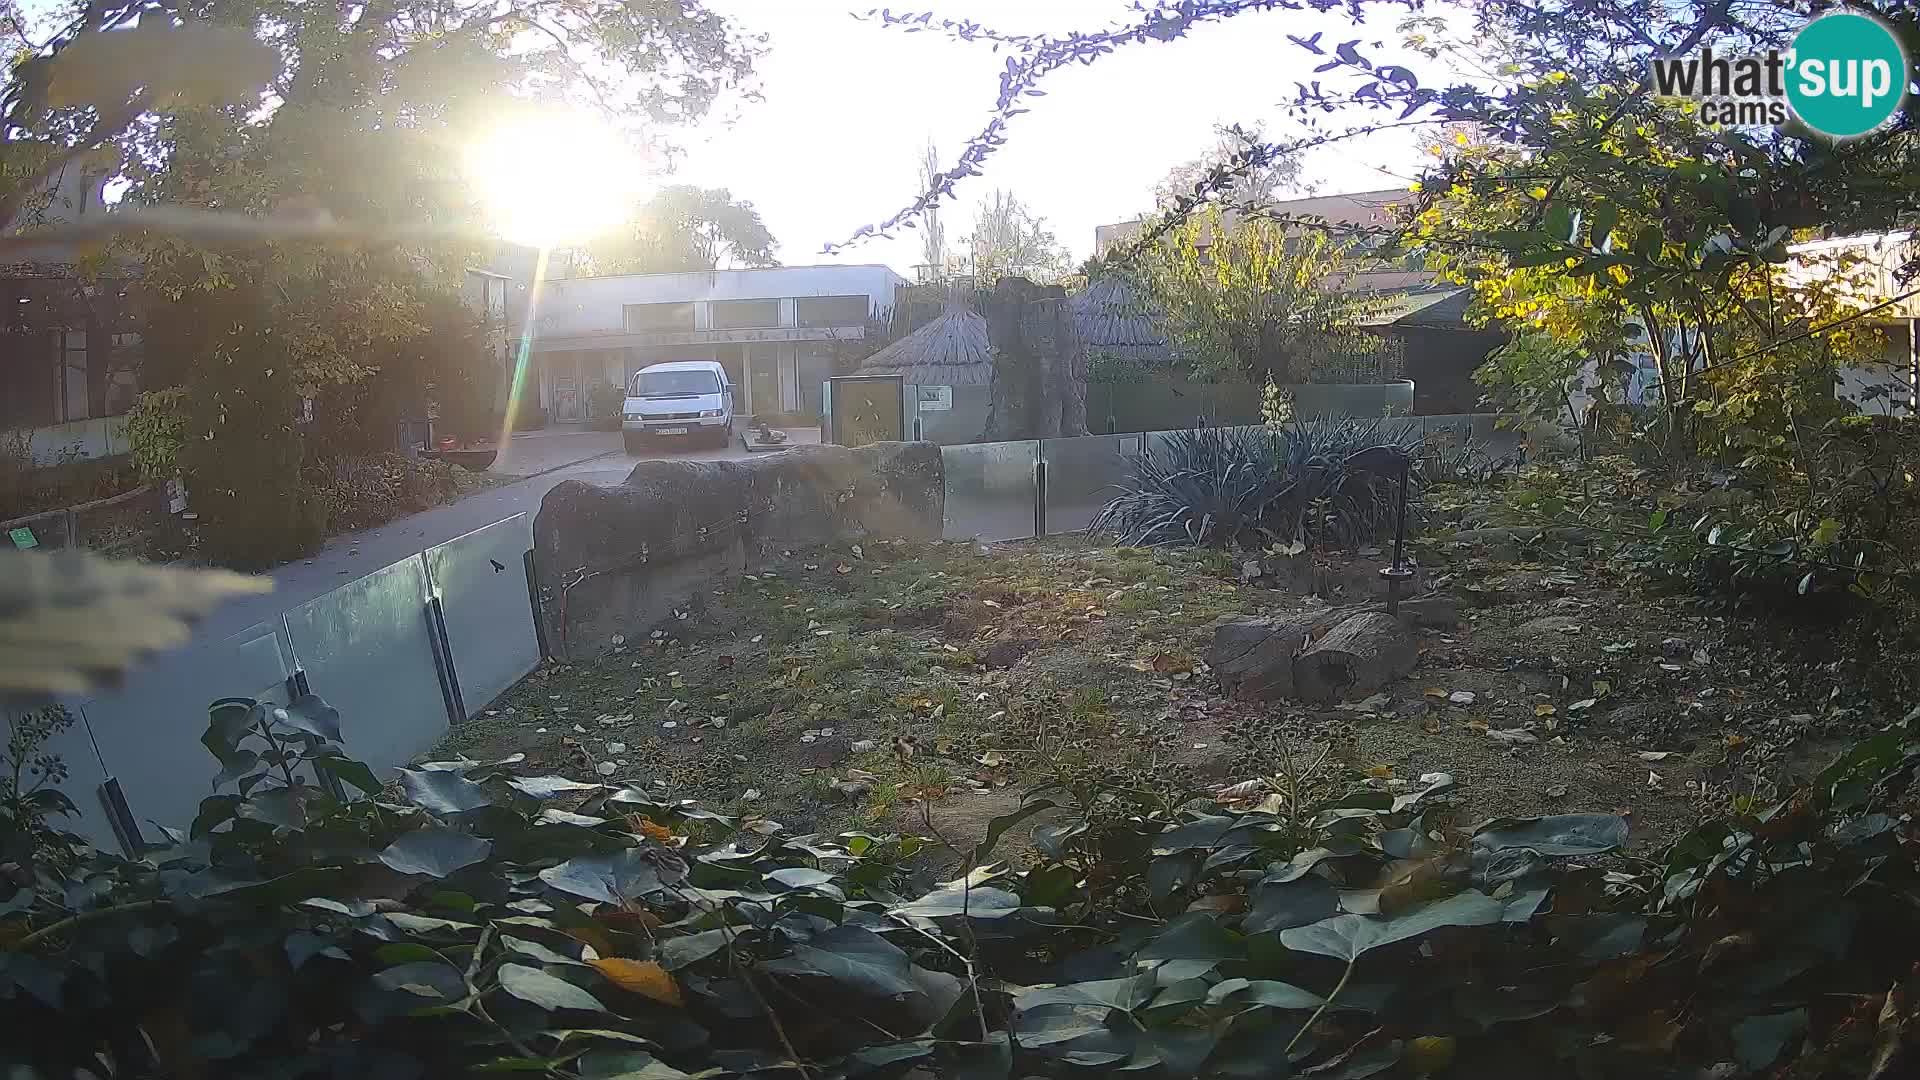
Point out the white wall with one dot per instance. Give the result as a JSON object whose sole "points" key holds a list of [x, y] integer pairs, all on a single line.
{"points": [[581, 307]]}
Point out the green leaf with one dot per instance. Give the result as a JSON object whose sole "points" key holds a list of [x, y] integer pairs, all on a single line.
{"points": [[678, 952], [353, 772], [997, 827], [442, 791], [534, 950], [1346, 937], [1648, 244], [536, 986], [983, 902], [1274, 995], [1203, 834], [803, 877], [1195, 936], [309, 714], [870, 1059], [435, 851], [1563, 834], [1656, 520], [427, 979], [625, 875], [282, 807], [1604, 218], [548, 787], [853, 957], [1759, 1040], [1283, 905], [1129, 993], [406, 952]]}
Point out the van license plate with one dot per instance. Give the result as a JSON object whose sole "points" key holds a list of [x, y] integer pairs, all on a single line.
{"points": [[669, 431]]}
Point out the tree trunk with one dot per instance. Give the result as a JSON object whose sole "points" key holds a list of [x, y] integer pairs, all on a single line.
{"points": [[1359, 656]]}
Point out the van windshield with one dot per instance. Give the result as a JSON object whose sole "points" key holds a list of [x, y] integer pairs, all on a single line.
{"points": [[653, 384]]}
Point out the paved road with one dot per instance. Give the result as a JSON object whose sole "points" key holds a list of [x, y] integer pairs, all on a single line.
{"points": [[595, 457]]}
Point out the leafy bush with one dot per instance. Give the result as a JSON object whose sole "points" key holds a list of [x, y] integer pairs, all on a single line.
{"points": [[468, 919], [155, 427], [1248, 487], [606, 401]]}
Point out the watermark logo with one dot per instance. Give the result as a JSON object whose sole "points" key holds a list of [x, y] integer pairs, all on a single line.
{"points": [[1845, 76]]}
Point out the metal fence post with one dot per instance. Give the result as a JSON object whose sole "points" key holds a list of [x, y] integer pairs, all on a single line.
{"points": [[442, 648], [1040, 492], [533, 603]]}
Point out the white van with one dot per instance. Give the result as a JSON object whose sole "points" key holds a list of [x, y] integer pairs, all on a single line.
{"points": [[686, 399]]}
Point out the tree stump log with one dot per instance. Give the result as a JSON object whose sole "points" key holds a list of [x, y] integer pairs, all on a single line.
{"points": [[1253, 658], [1360, 655]]}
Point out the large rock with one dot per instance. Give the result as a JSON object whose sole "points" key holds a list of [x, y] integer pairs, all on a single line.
{"points": [[619, 560]]}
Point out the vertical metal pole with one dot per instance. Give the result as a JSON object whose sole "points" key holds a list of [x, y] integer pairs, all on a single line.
{"points": [[1040, 496], [533, 601]]}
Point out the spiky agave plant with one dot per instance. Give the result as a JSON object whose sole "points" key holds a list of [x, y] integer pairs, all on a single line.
{"points": [[1248, 487]]}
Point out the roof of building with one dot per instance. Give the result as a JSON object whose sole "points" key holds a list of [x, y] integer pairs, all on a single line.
{"points": [[950, 350], [1109, 318], [1366, 208]]}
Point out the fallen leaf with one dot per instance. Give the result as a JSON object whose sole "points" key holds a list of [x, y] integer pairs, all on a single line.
{"points": [[1220, 903], [644, 977], [1543, 710], [1601, 687], [1583, 704], [1381, 772], [843, 568], [992, 759], [1655, 755], [1512, 736], [1434, 692], [1461, 697], [1375, 703], [1653, 781], [1557, 791]]}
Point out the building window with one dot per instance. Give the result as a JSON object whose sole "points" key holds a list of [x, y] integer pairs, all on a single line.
{"points": [[745, 314], [832, 310], [659, 316]]}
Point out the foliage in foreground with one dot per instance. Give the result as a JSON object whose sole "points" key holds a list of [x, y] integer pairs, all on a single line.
{"points": [[1250, 487], [470, 922]]}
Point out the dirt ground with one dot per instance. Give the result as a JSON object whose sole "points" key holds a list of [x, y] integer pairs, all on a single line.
{"points": [[895, 686]]}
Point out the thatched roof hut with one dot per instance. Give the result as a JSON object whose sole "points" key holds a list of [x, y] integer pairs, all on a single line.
{"points": [[1108, 316], [949, 351]]}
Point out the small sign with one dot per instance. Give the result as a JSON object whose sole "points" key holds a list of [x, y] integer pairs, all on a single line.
{"points": [[936, 398], [23, 538]]}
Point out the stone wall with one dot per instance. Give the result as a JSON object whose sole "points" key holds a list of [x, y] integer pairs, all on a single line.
{"points": [[620, 560]]}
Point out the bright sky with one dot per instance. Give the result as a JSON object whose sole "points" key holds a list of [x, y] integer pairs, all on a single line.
{"points": [[849, 106]]}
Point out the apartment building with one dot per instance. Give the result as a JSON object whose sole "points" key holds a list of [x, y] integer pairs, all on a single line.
{"points": [[775, 330]]}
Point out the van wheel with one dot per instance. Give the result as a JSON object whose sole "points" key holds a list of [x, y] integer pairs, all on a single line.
{"points": [[632, 440]]}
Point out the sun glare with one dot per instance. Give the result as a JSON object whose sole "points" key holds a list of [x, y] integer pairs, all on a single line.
{"points": [[552, 180]]}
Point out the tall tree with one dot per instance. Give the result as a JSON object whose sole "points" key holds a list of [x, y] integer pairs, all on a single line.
{"points": [[687, 228], [1009, 240], [1257, 300], [1256, 184], [933, 235], [366, 108]]}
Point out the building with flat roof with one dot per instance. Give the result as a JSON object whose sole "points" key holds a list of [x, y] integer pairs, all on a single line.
{"points": [[776, 330]]}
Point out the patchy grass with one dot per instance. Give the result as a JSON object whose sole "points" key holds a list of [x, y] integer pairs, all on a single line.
{"points": [[935, 683]]}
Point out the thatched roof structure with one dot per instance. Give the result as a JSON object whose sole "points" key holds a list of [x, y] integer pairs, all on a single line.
{"points": [[1107, 314], [949, 351]]}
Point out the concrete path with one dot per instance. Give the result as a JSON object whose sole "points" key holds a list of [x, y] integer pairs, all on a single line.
{"points": [[595, 457]]}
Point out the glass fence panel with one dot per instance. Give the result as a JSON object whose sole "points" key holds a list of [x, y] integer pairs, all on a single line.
{"points": [[990, 490], [481, 579], [367, 648], [148, 729], [1083, 474]]}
